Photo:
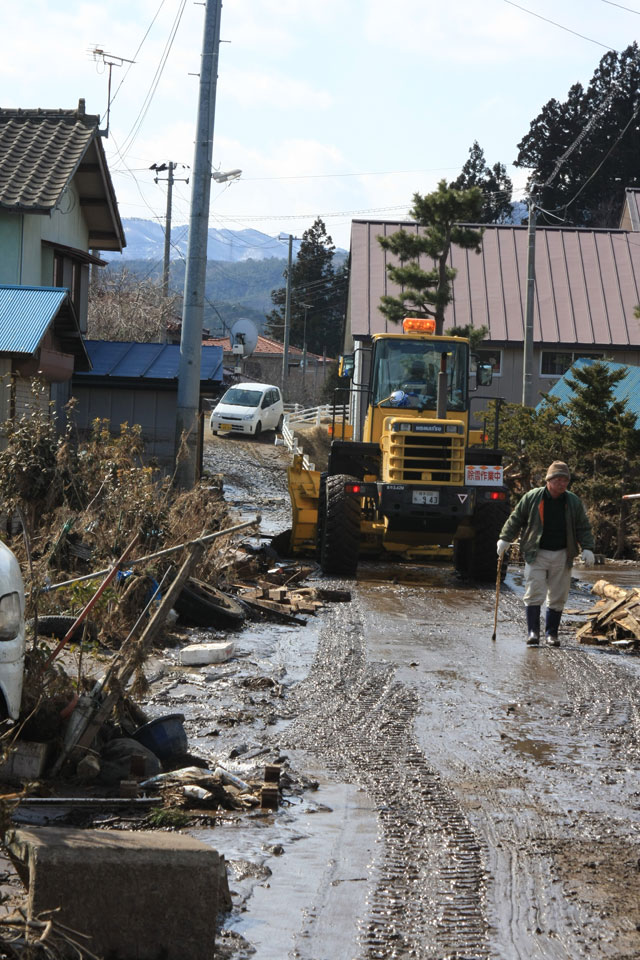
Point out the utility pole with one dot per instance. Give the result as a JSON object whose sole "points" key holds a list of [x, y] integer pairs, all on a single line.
{"points": [[188, 404], [160, 168], [167, 232], [527, 356], [287, 321]]}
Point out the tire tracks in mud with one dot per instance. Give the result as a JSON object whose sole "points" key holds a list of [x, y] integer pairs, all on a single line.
{"points": [[429, 901]]}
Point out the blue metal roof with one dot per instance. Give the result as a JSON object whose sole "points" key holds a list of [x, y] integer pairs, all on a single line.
{"points": [[26, 314], [626, 389], [146, 361]]}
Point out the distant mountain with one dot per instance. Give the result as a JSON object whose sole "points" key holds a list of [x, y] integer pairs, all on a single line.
{"points": [[145, 241]]}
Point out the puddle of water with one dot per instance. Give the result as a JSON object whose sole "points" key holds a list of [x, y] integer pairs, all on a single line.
{"points": [[531, 749], [320, 870], [626, 576]]}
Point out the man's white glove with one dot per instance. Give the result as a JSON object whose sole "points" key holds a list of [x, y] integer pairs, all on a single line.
{"points": [[503, 546], [588, 558]]}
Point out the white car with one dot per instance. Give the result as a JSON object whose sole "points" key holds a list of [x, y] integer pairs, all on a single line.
{"points": [[248, 408], [12, 634]]}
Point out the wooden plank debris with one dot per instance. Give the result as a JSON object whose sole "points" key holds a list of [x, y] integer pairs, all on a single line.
{"points": [[615, 620], [286, 601]]}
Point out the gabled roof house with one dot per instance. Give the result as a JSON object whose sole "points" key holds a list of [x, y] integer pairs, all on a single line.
{"points": [[57, 205], [587, 286]]}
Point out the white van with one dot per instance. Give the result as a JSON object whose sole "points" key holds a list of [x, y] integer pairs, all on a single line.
{"points": [[12, 634], [248, 408]]}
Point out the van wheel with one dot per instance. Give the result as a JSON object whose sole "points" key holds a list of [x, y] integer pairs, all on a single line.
{"points": [[258, 429], [280, 423]]}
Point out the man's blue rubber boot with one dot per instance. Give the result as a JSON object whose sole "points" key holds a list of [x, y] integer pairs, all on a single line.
{"points": [[533, 626]]}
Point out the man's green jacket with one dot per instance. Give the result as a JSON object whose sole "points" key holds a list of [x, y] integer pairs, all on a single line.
{"points": [[527, 519]]}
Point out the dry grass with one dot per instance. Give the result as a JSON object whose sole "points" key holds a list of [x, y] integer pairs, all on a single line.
{"points": [[315, 442]]}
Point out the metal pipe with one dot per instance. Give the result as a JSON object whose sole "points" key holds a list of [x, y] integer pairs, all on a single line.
{"points": [[154, 556]]}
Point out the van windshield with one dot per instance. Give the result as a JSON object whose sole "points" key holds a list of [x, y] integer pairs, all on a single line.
{"points": [[242, 398]]}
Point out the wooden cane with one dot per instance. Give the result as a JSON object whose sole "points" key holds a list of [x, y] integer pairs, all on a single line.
{"points": [[495, 616]]}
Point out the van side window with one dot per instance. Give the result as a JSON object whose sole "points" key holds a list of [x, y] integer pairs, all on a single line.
{"points": [[265, 400]]}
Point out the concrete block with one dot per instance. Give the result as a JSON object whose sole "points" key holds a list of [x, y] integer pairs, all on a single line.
{"points": [[140, 896], [201, 653], [26, 761]]}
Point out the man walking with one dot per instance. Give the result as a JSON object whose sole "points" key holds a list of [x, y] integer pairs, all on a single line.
{"points": [[553, 528]]}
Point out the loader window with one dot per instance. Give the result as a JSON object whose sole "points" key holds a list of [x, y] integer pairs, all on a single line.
{"points": [[412, 366]]}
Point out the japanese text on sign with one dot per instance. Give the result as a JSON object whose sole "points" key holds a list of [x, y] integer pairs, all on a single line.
{"points": [[479, 476]]}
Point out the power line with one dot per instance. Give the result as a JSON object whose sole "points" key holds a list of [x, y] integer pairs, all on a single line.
{"points": [[140, 45], [555, 24], [135, 129], [606, 156], [628, 9]]}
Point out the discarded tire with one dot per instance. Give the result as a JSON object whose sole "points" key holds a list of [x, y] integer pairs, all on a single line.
{"points": [[340, 541], [59, 625], [204, 606]]}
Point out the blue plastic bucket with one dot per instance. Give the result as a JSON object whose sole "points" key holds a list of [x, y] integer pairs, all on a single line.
{"points": [[164, 736]]}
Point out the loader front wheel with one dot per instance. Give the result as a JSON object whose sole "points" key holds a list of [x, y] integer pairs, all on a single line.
{"points": [[340, 528]]}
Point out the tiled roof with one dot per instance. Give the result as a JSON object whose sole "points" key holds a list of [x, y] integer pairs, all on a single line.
{"points": [[41, 151], [264, 346], [626, 389], [26, 313], [146, 361], [587, 284]]}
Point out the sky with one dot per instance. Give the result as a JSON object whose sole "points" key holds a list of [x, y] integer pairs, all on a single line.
{"points": [[340, 110]]}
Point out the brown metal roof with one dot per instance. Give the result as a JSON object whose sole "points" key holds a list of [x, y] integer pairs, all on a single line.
{"points": [[41, 151], [587, 284]]}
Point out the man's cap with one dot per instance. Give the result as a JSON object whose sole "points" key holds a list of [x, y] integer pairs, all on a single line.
{"points": [[558, 469]]}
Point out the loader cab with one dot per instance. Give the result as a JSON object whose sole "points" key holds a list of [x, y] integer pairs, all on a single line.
{"points": [[408, 371]]}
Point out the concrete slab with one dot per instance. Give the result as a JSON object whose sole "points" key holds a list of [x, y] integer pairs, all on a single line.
{"points": [[26, 761], [140, 896]]}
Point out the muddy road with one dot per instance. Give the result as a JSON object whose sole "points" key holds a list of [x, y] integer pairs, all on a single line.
{"points": [[475, 799]]}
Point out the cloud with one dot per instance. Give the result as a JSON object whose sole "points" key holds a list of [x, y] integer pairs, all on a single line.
{"points": [[278, 91], [491, 33]]}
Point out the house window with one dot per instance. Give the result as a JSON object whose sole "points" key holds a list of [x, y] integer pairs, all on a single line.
{"points": [[494, 357], [556, 363]]}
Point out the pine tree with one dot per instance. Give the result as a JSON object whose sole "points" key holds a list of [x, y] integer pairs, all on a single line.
{"points": [[599, 125], [318, 293], [443, 216], [496, 186], [606, 449]]}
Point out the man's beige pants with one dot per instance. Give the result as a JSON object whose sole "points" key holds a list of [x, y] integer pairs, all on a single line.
{"points": [[547, 578]]}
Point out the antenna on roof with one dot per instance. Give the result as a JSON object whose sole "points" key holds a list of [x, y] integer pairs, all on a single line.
{"points": [[109, 60]]}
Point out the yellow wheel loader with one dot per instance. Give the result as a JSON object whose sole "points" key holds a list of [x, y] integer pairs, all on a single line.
{"points": [[414, 480]]}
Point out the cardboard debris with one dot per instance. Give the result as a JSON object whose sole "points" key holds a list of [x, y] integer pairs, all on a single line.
{"points": [[615, 620]]}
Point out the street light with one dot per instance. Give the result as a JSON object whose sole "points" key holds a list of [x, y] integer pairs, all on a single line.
{"points": [[223, 176]]}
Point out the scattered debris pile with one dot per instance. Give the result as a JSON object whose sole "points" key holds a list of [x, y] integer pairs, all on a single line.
{"points": [[615, 620], [86, 731]]}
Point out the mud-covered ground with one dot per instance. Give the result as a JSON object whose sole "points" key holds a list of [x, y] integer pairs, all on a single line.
{"points": [[475, 799]]}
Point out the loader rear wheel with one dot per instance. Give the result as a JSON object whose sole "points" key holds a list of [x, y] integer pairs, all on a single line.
{"points": [[477, 559], [340, 527]]}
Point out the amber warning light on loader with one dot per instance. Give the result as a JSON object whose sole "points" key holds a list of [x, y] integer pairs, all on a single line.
{"points": [[419, 325]]}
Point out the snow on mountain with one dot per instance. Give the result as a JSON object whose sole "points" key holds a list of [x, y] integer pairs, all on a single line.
{"points": [[145, 241]]}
